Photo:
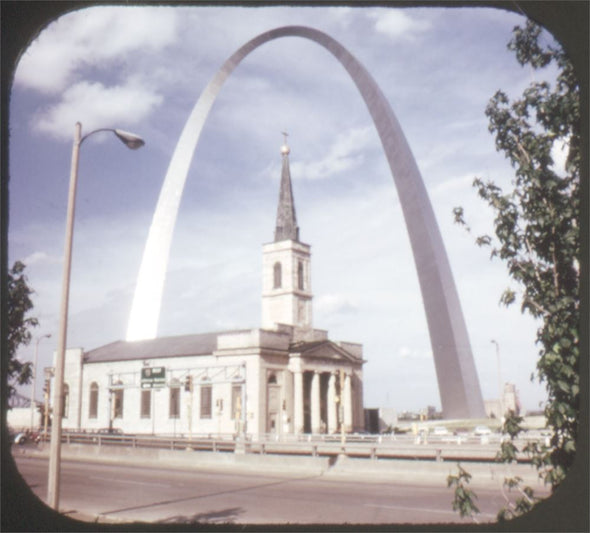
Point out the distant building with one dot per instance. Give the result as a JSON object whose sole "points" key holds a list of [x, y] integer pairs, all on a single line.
{"points": [[510, 402], [19, 414], [284, 378], [380, 419]]}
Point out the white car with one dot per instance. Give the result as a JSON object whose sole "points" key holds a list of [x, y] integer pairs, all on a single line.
{"points": [[440, 431], [21, 438], [482, 430]]}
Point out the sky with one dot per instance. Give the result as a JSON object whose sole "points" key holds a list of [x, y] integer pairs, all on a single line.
{"points": [[142, 69]]}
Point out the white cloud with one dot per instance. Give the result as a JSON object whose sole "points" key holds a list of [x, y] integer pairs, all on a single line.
{"points": [[407, 353], [96, 106], [334, 303], [454, 184], [96, 36], [398, 24], [346, 153], [39, 257]]}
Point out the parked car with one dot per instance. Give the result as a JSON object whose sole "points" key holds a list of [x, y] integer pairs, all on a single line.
{"points": [[27, 436], [20, 438], [440, 431], [482, 430]]}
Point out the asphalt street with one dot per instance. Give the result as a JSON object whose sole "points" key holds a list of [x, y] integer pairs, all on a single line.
{"points": [[131, 493]]}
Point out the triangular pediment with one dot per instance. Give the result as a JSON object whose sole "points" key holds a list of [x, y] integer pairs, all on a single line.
{"points": [[325, 350]]}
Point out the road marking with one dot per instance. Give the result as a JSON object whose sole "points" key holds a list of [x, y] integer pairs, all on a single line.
{"points": [[131, 482], [422, 510]]}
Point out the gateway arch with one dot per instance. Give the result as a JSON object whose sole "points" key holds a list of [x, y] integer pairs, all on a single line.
{"points": [[455, 368]]}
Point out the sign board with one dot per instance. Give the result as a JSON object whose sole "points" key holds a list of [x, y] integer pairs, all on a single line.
{"points": [[153, 377]]}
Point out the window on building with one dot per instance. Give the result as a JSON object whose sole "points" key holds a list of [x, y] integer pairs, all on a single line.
{"points": [[300, 277], [118, 402], [146, 403], [236, 402], [206, 401], [93, 401], [174, 411], [66, 401], [277, 275]]}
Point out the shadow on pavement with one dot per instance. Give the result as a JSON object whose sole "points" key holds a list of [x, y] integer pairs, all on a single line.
{"points": [[211, 517], [203, 496]]}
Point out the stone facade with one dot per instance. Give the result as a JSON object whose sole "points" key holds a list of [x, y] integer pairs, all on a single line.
{"points": [[285, 378]]}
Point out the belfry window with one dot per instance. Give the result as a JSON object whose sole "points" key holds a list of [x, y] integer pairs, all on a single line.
{"points": [[300, 278], [93, 403], [277, 275]]}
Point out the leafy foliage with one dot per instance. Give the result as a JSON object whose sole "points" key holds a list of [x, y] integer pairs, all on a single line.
{"points": [[464, 497], [537, 229], [508, 454], [18, 305]]}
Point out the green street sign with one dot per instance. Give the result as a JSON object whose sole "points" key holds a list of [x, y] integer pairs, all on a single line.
{"points": [[153, 377]]}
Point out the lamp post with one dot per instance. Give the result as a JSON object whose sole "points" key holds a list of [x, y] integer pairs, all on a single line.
{"points": [[46, 336], [131, 141], [500, 388]]}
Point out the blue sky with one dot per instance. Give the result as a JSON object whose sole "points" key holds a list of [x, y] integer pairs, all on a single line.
{"points": [[142, 69]]}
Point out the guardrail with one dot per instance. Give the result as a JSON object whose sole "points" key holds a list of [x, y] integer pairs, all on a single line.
{"points": [[408, 447]]}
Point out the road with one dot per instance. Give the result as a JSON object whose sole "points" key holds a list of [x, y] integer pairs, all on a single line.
{"points": [[131, 493]]}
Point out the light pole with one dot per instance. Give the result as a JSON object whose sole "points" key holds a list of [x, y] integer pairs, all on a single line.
{"points": [[500, 388], [46, 336], [131, 141]]}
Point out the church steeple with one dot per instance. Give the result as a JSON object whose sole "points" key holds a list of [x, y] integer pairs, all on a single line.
{"points": [[286, 227], [286, 265]]}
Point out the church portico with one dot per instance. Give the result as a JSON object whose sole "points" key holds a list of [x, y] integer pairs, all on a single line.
{"points": [[323, 401]]}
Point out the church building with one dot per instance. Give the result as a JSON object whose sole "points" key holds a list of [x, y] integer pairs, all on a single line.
{"points": [[284, 378]]}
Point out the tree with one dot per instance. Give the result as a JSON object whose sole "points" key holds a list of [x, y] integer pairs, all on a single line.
{"points": [[537, 233], [18, 305]]}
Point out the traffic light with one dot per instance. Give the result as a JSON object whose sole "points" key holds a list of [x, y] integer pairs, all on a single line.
{"points": [[188, 384]]}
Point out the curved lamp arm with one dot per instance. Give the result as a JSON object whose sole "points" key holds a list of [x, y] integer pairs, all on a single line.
{"points": [[130, 140]]}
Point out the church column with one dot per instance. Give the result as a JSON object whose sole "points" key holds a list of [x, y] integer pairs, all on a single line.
{"points": [[332, 407], [347, 399], [297, 401], [315, 403]]}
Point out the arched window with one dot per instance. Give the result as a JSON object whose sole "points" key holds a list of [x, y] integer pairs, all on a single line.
{"points": [[277, 275], [93, 402], [300, 278], [66, 401]]}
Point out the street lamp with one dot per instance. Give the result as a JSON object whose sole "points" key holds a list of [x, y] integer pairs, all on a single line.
{"points": [[133, 142], [46, 336], [500, 388]]}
